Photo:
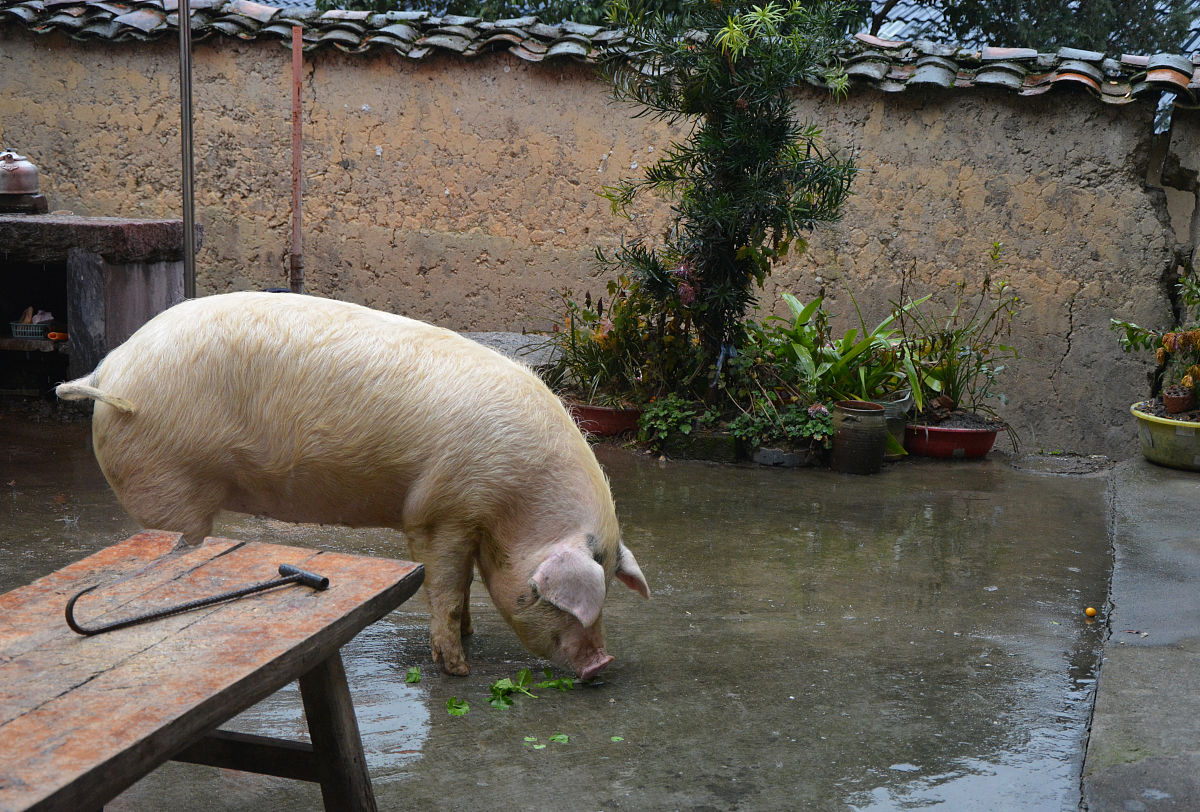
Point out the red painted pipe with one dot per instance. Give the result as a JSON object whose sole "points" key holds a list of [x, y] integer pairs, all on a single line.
{"points": [[296, 273]]}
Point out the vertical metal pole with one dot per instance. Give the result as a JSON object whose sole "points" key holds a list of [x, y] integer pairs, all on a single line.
{"points": [[296, 275], [185, 137]]}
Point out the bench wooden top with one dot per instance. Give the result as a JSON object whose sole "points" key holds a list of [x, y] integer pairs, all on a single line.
{"points": [[81, 718]]}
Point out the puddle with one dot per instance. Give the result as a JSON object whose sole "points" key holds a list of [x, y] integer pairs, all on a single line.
{"points": [[909, 640]]}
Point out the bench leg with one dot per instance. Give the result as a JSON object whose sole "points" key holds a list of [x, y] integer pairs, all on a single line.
{"points": [[333, 728]]}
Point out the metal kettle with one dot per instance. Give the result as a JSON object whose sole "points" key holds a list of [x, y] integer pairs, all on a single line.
{"points": [[18, 176]]}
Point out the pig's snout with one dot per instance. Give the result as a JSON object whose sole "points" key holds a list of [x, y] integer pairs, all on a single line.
{"points": [[594, 664]]}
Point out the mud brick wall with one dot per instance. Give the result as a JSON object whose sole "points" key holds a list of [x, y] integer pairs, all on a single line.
{"points": [[465, 192]]}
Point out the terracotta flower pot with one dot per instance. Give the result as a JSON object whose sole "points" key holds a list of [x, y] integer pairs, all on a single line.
{"points": [[936, 441], [1178, 399], [604, 420]]}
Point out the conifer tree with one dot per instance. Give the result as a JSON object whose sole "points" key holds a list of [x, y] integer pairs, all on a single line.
{"points": [[750, 179]]}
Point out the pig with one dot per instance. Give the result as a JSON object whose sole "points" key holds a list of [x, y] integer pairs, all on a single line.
{"points": [[313, 410]]}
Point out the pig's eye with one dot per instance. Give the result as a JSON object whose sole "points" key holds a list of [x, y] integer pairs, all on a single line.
{"points": [[531, 599]]}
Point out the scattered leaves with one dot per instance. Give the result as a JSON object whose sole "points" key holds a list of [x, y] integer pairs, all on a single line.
{"points": [[456, 706], [557, 738], [413, 675], [562, 683], [503, 690]]}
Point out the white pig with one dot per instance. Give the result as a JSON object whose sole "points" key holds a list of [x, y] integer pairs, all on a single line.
{"points": [[313, 410]]}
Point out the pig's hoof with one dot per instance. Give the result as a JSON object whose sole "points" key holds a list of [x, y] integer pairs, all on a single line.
{"points": [[453, 664], [457, 669]]}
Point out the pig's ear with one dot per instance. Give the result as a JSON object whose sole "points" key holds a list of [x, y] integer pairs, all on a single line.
{"points": [[629, 573], [572, 581]]}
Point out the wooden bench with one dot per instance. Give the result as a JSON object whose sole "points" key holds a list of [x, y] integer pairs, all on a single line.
{"points": [[83, 718]]}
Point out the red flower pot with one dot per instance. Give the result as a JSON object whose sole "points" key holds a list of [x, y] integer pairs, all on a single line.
{"points": [[1178, 399], [934, 441], [604, 420]]}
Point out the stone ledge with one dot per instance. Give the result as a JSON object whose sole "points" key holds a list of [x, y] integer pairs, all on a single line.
{"points": [[49, 238]]}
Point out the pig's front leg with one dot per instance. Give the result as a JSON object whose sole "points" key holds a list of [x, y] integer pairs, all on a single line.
{"points": [[448, 556], [467, 627]]}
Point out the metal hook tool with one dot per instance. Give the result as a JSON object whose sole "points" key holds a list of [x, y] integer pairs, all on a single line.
{"points": [[292, 575]]}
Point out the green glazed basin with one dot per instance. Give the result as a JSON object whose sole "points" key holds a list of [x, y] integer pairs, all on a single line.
{"points": [[1173, 443]]}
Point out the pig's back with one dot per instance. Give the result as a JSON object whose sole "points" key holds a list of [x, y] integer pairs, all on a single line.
{"points": [[311, 409]]}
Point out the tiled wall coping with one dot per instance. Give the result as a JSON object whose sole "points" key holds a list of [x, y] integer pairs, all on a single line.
{"points": [[871, 62]]}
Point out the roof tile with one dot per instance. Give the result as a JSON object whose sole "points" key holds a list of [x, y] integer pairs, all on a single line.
{"points": [[144, 19], [1000, 74], [524, 52], [1166, 76], [933, 74], [401, 31], [452, 19], [880, 43], [567, 47], [1075, 53], [342, 14], [886, 64], [447, 41], [990, 54], [255, 11], [1074, 77], [23, 11], [1079, 66], [871, 69]]}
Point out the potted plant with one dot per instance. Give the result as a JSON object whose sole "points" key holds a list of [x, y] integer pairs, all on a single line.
{"points": [[952, 353], [790, 436], [789, 368], [1169, 422], [596, 377], [859, 365], [608, 361]]}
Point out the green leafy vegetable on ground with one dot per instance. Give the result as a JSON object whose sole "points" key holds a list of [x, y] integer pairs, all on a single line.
{"points": [[558, 738], [503, 690], [413, 675], [456, 706], [562, 683]]}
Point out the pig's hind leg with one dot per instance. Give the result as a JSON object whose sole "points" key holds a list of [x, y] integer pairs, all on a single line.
{"points": [[176, 504], [448, 556]]}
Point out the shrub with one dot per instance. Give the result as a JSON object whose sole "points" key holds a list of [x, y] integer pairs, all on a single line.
{"points": [[1177, 350], [952, 349], [622, 355], [749, 179]]}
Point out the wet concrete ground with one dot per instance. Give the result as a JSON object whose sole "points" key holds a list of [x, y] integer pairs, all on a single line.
{"points": [[814, 640], [1144, 748]]}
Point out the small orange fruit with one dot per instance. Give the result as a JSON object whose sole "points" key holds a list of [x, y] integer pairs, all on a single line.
{"points": [[1090, 611]]}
